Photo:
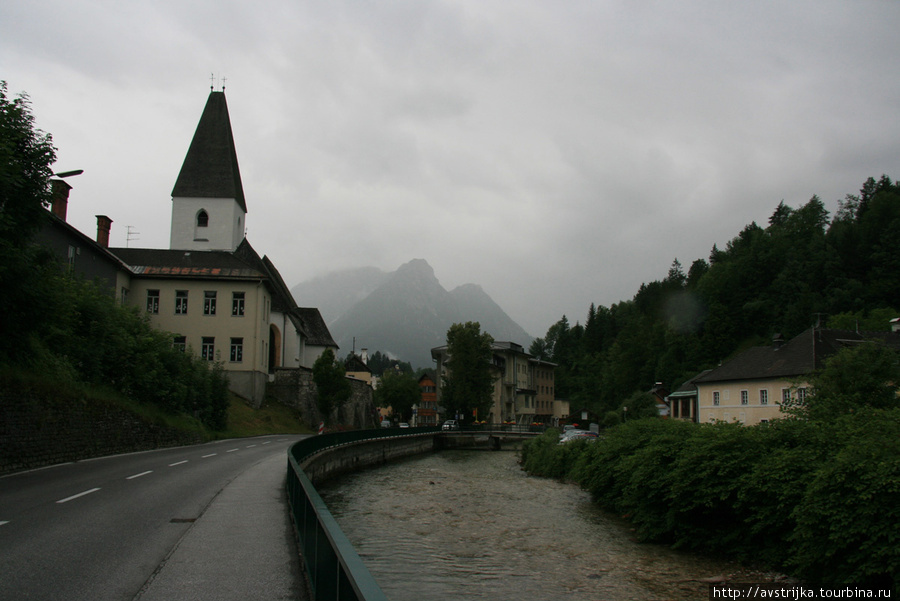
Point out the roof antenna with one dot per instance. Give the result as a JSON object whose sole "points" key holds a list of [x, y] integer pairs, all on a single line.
{"points": [[212, 81], [223, 85]]}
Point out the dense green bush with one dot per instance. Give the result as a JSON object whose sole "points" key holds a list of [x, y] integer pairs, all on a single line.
{"points": [[94, 340], [848, 520], [816, 498]]}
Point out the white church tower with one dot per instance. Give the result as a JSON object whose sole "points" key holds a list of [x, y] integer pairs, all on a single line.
{"points": [[208, 207]]}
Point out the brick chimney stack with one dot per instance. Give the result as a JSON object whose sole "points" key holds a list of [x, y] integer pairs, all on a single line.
{"points": [[103, 225], [60, 198]]}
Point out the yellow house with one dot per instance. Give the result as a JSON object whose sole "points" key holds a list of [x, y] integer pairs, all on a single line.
{"points": [[523, 386], [753, 387]]}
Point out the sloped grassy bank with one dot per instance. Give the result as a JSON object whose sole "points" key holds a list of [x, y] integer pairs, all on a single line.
{"points": [[818, 500], [44, 422]]}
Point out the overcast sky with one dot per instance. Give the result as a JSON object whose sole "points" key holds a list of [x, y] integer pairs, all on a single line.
{"points": [[556, 153]]}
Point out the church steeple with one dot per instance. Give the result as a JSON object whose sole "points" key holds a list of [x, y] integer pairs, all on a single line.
{"points": [[208, 206]]}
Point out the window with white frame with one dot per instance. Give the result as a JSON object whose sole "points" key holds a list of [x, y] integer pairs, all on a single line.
{"points": [[764, 397], [716, 398], [181, 302], [153, 301], [208, 348], [785, 396], [237, 350], [209, 302], [180, 343], [745, 397], [237, 304]]}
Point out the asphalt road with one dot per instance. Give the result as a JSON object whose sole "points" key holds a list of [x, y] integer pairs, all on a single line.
{"points": [[99, 529]]}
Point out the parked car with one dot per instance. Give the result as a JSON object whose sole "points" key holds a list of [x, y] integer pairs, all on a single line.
{"points": [[450, 424], [404, 425], [385, 423], [574, 434]]}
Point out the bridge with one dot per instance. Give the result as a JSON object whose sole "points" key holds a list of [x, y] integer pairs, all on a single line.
{"points": [[493, 434]]}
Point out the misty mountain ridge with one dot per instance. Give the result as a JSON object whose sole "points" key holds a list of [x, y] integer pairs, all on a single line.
{"points": [[405, 313]]}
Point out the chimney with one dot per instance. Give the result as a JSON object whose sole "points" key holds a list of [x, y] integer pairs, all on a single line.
{"points": [[103, 225], [59, 197], [365, 356]]}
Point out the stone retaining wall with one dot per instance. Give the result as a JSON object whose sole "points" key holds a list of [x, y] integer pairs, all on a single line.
{"points": [[294, 387], [37, 429]]}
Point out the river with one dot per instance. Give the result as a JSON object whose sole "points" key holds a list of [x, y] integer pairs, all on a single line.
{"points": [[473, 525]]}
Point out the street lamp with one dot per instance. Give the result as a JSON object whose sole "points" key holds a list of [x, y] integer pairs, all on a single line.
{"points": [[69, 173]]}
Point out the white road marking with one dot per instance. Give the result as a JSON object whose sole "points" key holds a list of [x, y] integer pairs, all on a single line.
{"points": [[2, 523], [178, 463], [81, 494], [210, 455], [268, 442], [251, 446], [232, 450], [139, 475]]}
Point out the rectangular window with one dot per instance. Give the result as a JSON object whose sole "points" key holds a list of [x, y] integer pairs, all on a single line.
{"points": [[745, 397], [209, 302], [181, 302], [763, 397], [785, 395], [180, 343], [801, 395], [716, 398], [237, 350], [71, 257], [237, 304], [153, 301], [208, 348]]}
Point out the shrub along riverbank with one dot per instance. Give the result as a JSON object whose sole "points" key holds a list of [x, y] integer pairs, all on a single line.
{"points": [[819, 500]]}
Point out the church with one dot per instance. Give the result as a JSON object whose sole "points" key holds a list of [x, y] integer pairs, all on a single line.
{"points": [[210, 288]]}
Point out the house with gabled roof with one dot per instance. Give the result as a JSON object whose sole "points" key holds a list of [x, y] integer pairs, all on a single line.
{"points": [[752, 387], [77, 252]]}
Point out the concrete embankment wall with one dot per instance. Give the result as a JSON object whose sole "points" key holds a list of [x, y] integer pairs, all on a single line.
{"points": [[366, 453], [363, 454]]}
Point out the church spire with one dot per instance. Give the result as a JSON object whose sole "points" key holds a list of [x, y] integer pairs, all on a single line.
{"points": [[208, 207], [210, 169]]}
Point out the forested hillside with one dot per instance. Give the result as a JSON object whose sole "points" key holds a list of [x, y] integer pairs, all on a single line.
{"points": [[782, 278]]}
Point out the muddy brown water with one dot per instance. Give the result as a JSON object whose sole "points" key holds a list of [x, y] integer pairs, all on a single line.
{"points": [[473, 525]]}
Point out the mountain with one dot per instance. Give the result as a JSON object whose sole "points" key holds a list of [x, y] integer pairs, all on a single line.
{"points": [[407, 314], [335, 293]]}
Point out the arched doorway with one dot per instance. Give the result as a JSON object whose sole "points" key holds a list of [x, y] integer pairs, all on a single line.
{"points": [[274, 348]]}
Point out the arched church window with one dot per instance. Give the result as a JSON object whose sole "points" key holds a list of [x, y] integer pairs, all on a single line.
{"points": [[202, 218]]}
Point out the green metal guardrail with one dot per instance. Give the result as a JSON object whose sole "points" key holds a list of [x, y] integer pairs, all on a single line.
{"points": [[335, 570]]}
